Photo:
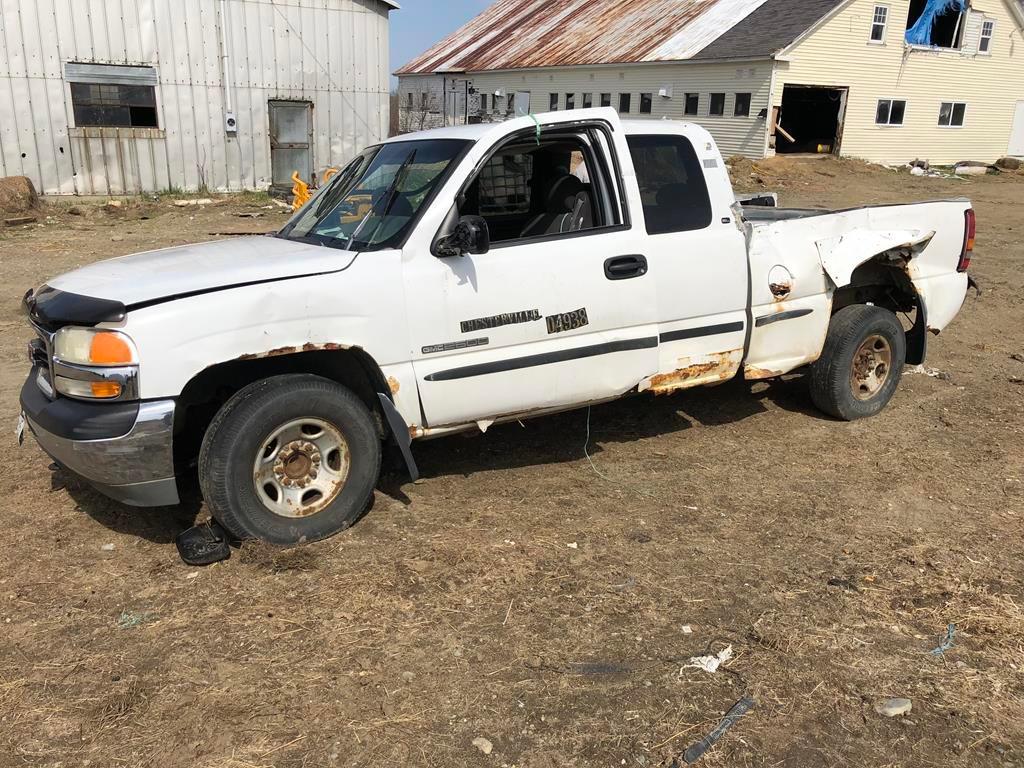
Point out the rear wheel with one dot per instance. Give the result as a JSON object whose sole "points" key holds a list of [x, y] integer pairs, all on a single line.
{"points": [[289, 459], [861, 363]]}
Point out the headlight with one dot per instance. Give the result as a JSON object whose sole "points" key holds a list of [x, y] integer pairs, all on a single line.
{"points": [[86, 346], [95, 364]]}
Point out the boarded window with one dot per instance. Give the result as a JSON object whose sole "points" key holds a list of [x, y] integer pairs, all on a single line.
{"points": [[606, 99], [625, 102], [570, 101], [951, 114], [117, 106], [879, 21], [890, 112], [717, 104], [672, 186], [553, 102], [692, 104], [742, 108], [645, 103]]}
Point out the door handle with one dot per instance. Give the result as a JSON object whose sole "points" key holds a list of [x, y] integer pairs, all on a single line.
{"points": [[625, 267]]}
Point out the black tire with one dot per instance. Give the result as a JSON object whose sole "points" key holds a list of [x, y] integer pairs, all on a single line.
{"points": [[238, 432], [834, 388]]}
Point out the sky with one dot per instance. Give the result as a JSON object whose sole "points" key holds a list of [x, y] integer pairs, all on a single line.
{"points": [[421, 23]]}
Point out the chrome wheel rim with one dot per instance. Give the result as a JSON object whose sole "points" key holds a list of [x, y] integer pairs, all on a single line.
{"points": [[872, 366], [301, 467]]}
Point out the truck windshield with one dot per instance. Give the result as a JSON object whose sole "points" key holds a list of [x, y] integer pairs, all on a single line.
{"points": [[374, 200]]}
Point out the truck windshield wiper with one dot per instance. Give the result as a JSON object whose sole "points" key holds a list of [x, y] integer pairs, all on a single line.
{"points": [[391, 193]]}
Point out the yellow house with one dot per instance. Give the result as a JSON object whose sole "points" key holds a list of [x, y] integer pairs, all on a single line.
{"points": [[853, 81], [763, 76]]}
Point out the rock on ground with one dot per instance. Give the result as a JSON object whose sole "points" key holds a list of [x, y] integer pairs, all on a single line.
{"points": [[894, 707], [17, 194]]}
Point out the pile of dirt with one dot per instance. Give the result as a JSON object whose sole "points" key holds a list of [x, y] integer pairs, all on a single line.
{"points": [[17, 194], [783, 172]]}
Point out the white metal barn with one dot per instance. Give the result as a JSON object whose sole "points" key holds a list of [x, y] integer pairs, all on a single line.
{"points": [[121, 96]]}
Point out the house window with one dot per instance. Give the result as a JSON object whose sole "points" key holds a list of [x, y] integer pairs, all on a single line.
{"points": [[985, 43], [692, 104], [606, 99], [878, 23], [936, 27], [890, 112], [717, 108], [570, 101], [588, 100], [951, 114], [645, 103], [115, 106], [625, 102], [742, 108]]}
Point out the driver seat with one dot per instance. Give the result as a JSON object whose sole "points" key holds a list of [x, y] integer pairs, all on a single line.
{"points": [[567, 208]]}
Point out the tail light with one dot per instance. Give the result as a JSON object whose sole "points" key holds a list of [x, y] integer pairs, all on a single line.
{"points": [[970, 229]]}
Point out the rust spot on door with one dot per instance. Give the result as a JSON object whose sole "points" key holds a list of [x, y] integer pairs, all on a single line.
{"points": [[393, 385], [719, 366], [780, 290]]}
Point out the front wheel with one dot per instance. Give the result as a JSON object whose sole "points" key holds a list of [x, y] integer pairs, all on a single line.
{"points": [[290, 459], [861, 363]]}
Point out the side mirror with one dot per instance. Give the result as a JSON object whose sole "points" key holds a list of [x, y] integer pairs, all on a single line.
{"points": [[470, 235]]}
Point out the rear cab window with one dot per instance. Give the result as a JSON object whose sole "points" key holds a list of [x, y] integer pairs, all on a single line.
{"points": [[672, 185]]}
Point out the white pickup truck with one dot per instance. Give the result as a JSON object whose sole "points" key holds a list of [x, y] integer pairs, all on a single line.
{"points": [[455, 278]]}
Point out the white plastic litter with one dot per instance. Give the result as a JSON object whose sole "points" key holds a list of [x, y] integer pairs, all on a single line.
{"points": [[709, 663]]}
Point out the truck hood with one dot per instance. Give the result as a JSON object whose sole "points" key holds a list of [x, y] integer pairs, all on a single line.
{"points": [[190, 269]]}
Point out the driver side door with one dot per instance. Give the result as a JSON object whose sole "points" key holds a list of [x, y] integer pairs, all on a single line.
{"points": [[560, 310]]}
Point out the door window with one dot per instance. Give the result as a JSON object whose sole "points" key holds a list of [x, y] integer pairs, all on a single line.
{"points": [[528, 190], [672, 186]]}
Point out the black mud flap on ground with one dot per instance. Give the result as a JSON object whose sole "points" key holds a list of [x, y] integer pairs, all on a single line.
{"points": [[204, 544]]}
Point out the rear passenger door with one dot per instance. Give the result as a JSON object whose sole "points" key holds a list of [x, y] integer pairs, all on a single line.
{"points": [[697, 257]]}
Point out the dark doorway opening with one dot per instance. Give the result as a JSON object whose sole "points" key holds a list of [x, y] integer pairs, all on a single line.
{"points": [[811, 120]]}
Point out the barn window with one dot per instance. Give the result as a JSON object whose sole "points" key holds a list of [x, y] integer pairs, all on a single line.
{"points": [[985, 43], [890, 112], [717, 107], [692, 104], [112, 96], [625, 102], [606, 99], [645, 103], [588, 100], [742, 108], [951, 114], [879, 21], [570, 101]]}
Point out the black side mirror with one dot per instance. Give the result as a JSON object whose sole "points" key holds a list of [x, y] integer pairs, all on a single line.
{"points": [[470, 235]]}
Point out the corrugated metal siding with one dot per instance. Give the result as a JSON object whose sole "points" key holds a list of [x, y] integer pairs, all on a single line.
{"points": [[734, 135], [333, 53], [516, 34], [838, 54]]}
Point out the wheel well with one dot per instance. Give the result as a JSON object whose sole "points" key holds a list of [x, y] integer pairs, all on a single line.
{"points": [[887, 285], [208, 390]]}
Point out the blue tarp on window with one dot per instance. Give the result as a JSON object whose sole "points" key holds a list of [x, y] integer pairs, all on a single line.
{"points": [[921, 32]]}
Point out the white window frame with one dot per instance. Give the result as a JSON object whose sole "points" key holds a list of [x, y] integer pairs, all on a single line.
{"points": [[982, 37], [906, 106], [874, 23], [952, 106]]}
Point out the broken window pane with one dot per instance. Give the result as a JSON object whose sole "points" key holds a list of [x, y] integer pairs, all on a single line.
{"points": [[692, 104], [878, 22], [645, 103], [625, 102], [742, 108], [717, 104], [114, 106], [938, 23], [890, 112]]}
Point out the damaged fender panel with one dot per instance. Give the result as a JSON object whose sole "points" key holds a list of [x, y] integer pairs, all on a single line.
{"points": [[695, 371], [841, 255]]}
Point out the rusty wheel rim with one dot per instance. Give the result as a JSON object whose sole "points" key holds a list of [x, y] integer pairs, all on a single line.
{"points": [[872, 366], [301, 467]]}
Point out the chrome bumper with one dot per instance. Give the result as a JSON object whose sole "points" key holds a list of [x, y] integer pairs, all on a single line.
{"points": [[136, 468]]}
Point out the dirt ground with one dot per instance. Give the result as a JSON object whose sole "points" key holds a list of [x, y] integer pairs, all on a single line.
{"points": [[521, 594]]}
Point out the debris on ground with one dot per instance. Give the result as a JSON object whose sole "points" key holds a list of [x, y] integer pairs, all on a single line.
{"points": [[17, 221], [709, 663], [894, 707], [484, 745], [129, 619], [17, 194], [1009, 163], [114, 205], [695, 751], [203, 544], [193, 201], [947, 642], [935, 373], [107, 548]]}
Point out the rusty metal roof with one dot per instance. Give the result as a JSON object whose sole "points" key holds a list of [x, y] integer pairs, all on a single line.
{"points": [[520, 34]]}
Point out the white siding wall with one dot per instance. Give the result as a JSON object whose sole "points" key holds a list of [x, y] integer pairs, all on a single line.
{"points": [[735, 135], [333, 53]]}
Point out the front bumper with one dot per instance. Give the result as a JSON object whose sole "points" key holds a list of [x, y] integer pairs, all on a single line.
{"points": [[124, 450]]}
